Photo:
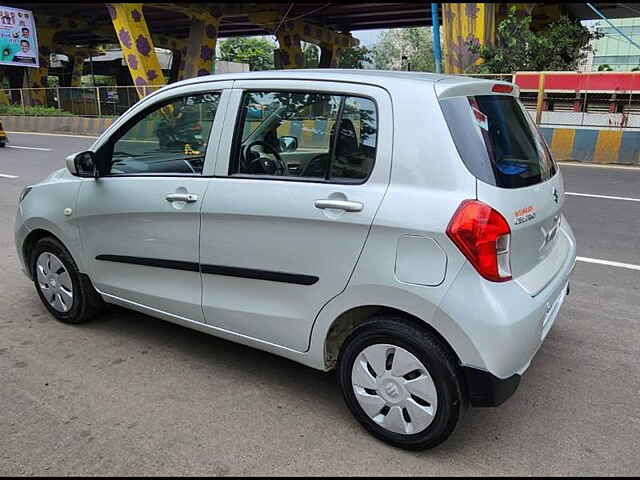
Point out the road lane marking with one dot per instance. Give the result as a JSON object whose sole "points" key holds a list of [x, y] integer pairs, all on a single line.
{"points": [[4, 175], [630, 266], [53, 134], [590, 165], [608, 197], [30, 148]]}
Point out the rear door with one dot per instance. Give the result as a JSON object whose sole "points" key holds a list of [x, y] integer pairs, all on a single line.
{"points": [[502, 147], [276, 247]]}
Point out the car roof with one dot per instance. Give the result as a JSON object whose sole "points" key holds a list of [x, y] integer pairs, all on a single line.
{"points": [[383, 78]]}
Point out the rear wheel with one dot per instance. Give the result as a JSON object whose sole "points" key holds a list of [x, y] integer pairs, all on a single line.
{"points": [[401, 383], [67, 294]]}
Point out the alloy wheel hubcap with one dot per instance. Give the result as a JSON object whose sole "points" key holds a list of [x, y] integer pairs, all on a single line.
{"points": [[54, 281], [394, 388]]}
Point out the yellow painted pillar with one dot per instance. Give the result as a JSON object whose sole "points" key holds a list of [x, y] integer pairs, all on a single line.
{"points": [[137, 46], [201, 48], [4, 100], [78, 69], [290, 51], [38, 76], [464, 22], [330, 55], [290, 33]]}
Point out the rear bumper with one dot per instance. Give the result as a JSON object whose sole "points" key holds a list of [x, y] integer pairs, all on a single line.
{"points": [[487, 390], [504, 323]]}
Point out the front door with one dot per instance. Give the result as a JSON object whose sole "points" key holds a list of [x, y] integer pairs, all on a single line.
{"points": [[140, 220], [278, 243]]}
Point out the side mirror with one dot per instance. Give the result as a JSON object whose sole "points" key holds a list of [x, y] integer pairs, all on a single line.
{"points": [[82, 164], [288, 144]]}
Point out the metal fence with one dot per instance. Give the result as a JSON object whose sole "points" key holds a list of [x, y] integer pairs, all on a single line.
{"points": [[589, 99], [83, 101], [589, 104]]}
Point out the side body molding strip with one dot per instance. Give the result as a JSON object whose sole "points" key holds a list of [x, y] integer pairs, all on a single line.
{"points": [[295, 278]]}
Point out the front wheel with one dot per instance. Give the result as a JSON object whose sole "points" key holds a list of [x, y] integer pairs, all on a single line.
{"points": [[401, 383], [67, 294]]}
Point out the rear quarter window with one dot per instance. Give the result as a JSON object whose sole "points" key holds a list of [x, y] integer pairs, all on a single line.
{"points": [[498, 141]]}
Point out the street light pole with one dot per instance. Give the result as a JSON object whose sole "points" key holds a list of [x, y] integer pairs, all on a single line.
{"points": [[93, 77], [437, 53]]}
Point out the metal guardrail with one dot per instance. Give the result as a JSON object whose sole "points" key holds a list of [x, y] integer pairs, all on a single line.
{"points": [[84, 101], [585, 108]]}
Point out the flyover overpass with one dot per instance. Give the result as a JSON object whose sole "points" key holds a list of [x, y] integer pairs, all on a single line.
{"points": [[191, 30]]}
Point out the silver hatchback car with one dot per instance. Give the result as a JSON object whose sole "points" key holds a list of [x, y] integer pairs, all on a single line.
{"points": [[405, 229]]}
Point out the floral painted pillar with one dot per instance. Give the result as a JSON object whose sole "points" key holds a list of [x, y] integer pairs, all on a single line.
{"points": [[78, 69], [201, 47], [290, 51], [137, 47], [462, 23], [291, 32], [330, 55], [37, 77]]}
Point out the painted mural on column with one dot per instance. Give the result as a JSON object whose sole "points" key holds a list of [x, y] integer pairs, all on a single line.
{"points": [[462, 23], [137, 47]]}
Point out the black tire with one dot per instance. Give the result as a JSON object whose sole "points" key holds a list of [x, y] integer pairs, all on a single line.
{"points": [[440, 363], [2, 144], [86, 302]]}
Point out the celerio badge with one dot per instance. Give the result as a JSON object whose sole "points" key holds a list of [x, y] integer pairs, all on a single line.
{"points": [[525, 214]]}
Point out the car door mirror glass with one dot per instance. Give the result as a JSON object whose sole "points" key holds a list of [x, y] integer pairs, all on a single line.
{"points": [[82, 164], [288, 144]]}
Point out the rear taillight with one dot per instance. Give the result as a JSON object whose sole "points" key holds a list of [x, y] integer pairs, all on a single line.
{"points": [[483, 236]]}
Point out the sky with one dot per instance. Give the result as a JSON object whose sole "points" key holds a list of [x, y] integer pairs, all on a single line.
{"points": [[367, 37]]}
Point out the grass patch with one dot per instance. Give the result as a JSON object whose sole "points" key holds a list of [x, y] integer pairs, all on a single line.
{"points": [[35, 111]]}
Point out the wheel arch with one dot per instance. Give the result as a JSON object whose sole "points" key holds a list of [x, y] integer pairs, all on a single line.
{"points": [[32, 238], [351, 319]]}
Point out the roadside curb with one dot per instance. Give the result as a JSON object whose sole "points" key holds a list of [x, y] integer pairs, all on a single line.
{"points": [[62, 125]]}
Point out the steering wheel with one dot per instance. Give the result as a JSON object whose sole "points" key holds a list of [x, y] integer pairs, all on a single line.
{"points": [[264, 164]]}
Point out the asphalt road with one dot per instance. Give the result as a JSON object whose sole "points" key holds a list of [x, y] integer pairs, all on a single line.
{"points": [[127, 394]]}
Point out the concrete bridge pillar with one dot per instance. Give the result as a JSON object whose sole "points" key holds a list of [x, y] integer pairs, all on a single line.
{"points": [[291, 33], [330, 55], [37, 77], [201, 48], [289, 53], [137, 46], [77, 70], [463, 22]]}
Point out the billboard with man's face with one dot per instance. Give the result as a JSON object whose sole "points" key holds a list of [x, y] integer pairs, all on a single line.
{"points": [[18, 41]]}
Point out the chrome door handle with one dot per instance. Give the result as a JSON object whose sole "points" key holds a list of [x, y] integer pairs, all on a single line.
{"points": [[345, 205], [181, 197]]}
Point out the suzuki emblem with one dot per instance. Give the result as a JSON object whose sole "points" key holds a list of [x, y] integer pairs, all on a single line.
{"points": [[391, 389]]}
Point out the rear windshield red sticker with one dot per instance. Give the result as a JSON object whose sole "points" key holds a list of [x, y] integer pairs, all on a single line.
{"points": [[481, 118]]}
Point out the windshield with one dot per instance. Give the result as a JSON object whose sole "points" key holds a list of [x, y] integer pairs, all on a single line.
{"points": [[498, 141]]}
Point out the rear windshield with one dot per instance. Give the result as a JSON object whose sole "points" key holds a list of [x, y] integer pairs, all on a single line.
{"points": [[498, 141]]}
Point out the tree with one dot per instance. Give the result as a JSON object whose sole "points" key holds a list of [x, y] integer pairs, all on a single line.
{"points": [[562, 45], [414, 43], [355, 57], [258, 53]]}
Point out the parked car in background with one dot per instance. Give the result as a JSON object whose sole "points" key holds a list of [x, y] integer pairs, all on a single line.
{"points": [[404, 229]]}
